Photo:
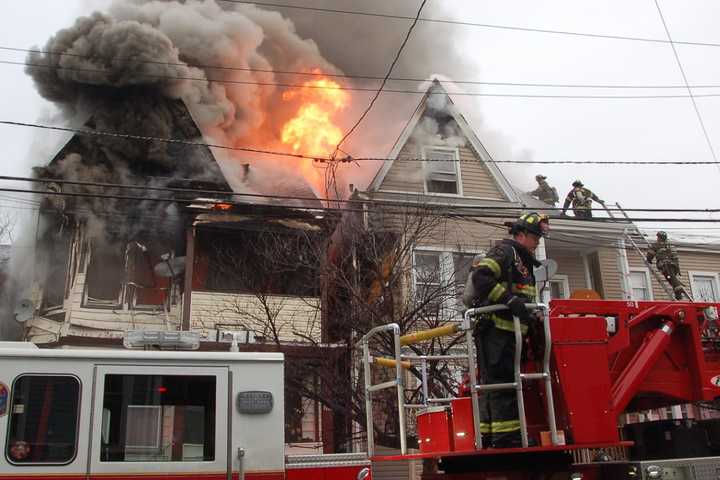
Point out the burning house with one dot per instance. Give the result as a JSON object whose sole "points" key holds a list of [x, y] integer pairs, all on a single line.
{"points": [[163, 212]]}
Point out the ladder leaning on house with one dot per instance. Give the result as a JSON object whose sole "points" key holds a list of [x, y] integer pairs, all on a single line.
{"points": [[631, 232]]}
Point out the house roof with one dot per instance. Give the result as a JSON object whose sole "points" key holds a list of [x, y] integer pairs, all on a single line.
{"points": [[436, 88]]}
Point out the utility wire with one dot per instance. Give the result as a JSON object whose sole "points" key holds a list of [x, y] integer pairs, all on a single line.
{"points": [[396, 90], [474, 24], [225, 193], [144, 138], [382, 85], [687, 84], [426, 210], [324, 74]]}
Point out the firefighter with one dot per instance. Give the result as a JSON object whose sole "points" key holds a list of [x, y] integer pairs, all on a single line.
{"points": [[581, 199], [544, 192], [504, 276], [667, 262]]}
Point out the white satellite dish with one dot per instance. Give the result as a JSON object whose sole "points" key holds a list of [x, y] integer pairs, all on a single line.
{"points": [[169, 268], [23, 310], [546, 271]]}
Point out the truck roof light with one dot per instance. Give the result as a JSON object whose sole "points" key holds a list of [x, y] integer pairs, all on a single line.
{"points": [[164, 340]]}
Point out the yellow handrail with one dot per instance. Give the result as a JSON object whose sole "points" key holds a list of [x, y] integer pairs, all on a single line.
{"points": [[390, 363], [423, 335]]}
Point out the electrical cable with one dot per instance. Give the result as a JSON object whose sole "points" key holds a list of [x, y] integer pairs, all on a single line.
{"points": [[384, 82], [324, 159], [226, 193], [332, 75], [474, 24], [685, 81], [425, 211], [388, 90]]}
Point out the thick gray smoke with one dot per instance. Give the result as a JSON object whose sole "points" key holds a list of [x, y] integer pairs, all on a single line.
{"points": [[168, 48]]}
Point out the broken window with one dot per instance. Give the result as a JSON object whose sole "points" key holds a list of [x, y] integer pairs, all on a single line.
{"points": [[57, 251], [103, 282], [149, 274], [260, 262]]}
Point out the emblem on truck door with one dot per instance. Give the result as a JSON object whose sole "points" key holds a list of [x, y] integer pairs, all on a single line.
{"points": [[254, 402], [4, 393]]}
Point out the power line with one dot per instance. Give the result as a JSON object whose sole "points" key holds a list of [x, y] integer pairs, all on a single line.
{"points": [[427, 210], [475, 24], [685, 81], [225, 193], [402, 91], [396, 90], [144, 138], [326, 74], [382, 85]]}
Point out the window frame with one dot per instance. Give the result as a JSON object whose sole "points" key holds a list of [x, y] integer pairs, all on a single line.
{"points": [[11, 407], [426, 171], [222, 427], [715, 278], [648, 284], [449, 310], [564, 280]]}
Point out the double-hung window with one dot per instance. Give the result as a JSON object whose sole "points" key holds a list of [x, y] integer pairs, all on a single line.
{"points": [[640, 286], [705, 286], [440, 279], [442, 170]]}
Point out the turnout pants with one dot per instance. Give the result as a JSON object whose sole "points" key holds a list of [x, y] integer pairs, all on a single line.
{"points": [[498, 408]]}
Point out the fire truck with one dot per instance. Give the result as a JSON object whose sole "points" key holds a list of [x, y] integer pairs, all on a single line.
{"points": [[597, 360], [124, 414]]}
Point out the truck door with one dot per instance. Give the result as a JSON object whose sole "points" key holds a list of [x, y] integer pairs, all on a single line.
{"points": [[159, 422]]}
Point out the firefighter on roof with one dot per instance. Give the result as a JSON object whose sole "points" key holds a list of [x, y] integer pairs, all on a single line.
{"points": [[544, 192], [581, 199], [667, 262], [504, 276]]}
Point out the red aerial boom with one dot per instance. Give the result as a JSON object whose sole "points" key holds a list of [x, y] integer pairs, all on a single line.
{"points": [[598, 360]]}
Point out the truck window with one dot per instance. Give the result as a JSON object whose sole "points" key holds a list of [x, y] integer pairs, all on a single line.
{"points": [[158, 418], [43, 420]]}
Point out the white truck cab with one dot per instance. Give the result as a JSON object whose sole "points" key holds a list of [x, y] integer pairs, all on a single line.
{"points": [[81, 413]]}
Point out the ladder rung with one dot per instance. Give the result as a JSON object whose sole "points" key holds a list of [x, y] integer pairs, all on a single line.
{"points": [[497, 386], [382, 386], [534, 376]]}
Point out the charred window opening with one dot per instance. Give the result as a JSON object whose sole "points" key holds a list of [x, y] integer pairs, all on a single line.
{"points": [[57, 251], [103, 283], [260, 262], [149, 271], [139, 271]]}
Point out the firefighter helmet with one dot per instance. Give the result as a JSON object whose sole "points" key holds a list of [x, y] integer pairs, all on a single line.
{"points": [[530, 222], [540, 177], [577, 183], [662, 235]]}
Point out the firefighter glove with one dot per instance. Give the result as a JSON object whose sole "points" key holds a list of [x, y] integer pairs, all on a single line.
{"points": [[517, 307]]}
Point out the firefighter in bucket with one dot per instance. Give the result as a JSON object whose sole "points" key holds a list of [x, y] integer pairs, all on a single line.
{"points": [[504, 276]]}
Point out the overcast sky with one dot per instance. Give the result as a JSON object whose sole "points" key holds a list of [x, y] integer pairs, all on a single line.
{"points": [[520, 128]]}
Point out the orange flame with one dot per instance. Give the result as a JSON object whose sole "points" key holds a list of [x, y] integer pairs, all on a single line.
{"points": [[312, 130]]}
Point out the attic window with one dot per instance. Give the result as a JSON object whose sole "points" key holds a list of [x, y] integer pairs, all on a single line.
{"points": [[442, 170]]}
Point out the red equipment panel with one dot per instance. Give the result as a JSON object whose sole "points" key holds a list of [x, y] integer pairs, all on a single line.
{"points": [[656, 354], [434, 430]]}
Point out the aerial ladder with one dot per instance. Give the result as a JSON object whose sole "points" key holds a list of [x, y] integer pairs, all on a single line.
{"points": [[632, 232], [600, 359]]}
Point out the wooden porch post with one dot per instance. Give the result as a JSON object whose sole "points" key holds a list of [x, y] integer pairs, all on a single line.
{"points": [[189, 263]]}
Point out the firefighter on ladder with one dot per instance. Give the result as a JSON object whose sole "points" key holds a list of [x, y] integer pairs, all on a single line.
{"points": [[504, 276], [581, 199], [667, 262]]}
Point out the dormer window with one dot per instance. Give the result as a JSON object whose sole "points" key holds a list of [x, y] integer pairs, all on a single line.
{"points": [[442, 170]]}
